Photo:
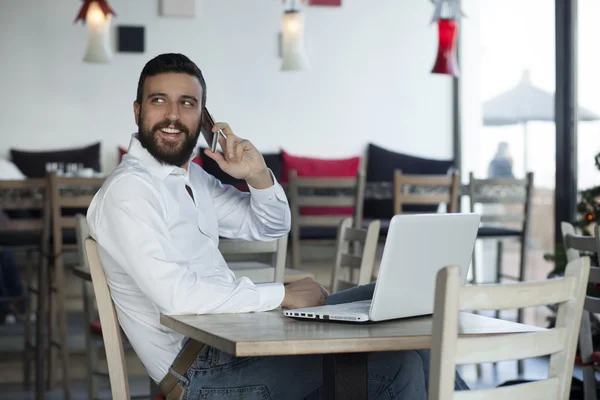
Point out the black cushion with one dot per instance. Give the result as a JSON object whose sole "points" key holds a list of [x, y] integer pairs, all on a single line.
{"points": [[16, 239], [318, 232], [493, 231], [33, 163], [33, 238], [381, 164], [274, 161]]}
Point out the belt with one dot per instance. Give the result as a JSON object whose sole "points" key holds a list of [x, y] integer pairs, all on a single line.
{"points": [[170, 385]]}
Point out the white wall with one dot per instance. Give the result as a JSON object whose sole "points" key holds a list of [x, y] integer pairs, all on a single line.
{"points": [[369, 81]]}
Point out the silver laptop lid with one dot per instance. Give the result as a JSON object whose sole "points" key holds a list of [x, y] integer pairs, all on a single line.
{"points": [[416, 248]]}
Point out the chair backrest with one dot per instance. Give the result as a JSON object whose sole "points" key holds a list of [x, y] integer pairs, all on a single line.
{"points": [[515, 195], [355, 255], [575, 246], [69, 194], [560, 342], [325, 193], [117, 369], [426, 190], [272, 252], [29, 199]]}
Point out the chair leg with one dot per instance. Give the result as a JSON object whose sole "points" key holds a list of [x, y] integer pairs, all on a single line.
{"points": [[51, 349], [499, 250], [28, 342], [522, 276], [295, 253], [62, 321], [90, 344], [478, 367], [474, 264]]}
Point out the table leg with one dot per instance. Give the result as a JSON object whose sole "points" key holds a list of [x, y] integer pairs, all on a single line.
{"points": [[345, 376]]}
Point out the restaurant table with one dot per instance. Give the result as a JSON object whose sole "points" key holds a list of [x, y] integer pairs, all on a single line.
{"points": [[345, 346]]}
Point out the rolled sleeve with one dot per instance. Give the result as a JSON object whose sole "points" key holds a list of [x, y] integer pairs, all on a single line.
{"points": [[270, 295]]}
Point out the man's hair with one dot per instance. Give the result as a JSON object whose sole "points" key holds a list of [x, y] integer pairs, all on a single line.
{"points": [[170, 62]]}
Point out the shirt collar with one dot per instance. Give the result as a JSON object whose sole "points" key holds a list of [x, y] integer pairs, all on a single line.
{"points": [[156, 168]]}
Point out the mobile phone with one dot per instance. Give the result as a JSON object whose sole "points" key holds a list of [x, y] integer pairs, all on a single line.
{"points": [[212, 138]]}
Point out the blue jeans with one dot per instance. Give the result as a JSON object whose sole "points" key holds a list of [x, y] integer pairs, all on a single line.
{"points": [[216, 375]]}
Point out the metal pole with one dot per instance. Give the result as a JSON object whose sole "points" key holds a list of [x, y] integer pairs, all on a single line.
{"points": [[566, 117]]}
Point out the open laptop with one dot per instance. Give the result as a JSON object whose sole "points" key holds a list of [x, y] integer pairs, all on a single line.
{"points": [[416, 248]]}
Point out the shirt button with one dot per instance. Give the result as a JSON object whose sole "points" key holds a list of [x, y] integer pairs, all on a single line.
{"points": [[270, 197]]}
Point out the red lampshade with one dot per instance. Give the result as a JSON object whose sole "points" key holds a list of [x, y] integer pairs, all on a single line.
{"points": [[445, 62]]}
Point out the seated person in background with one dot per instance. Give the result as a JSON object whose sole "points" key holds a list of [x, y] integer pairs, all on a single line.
{"points": [[501, 165], [157, 221]]}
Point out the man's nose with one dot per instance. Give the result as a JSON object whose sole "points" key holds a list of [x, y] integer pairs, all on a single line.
{"points": [[172, 113]]}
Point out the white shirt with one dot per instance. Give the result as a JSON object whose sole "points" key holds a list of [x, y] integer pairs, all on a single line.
{"points": [[159, 248]]}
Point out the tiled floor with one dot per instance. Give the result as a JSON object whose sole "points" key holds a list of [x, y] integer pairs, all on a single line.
{"points": [[11, 342]]}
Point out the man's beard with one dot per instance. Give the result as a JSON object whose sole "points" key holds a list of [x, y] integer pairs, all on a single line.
{"points": [[167, 153]]}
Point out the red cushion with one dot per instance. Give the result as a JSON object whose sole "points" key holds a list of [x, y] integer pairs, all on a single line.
{"points": [[122, 152], [594, 359], [323, 168]]}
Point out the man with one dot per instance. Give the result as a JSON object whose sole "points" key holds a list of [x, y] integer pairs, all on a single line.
{"points": [[157, 221]]}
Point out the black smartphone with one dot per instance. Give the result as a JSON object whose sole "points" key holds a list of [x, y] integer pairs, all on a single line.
{"points": [[212, 138]]}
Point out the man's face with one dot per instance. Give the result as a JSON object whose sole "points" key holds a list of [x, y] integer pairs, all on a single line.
{"points": [[168, 118]]}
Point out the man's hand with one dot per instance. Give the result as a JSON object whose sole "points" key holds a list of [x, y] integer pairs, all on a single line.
{"points": [[304, 293], [240, 159]]}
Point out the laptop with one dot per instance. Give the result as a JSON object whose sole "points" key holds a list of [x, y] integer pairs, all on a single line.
{"points": [[417, 246]]}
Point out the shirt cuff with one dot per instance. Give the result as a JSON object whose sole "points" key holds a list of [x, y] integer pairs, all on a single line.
{"points": [[270, 194], [270, 295]]}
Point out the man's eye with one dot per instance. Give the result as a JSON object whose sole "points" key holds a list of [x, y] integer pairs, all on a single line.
{"points": [[158, 100], [188, 103]]}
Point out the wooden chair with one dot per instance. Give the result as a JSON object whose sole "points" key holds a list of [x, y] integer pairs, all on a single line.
{"points": [[324, 193], [67, 196], [559, 343], [351, 269], [426, 190], [261, 262], [92, 325], [512, 200], [575, 245], [111, 333], [28, 199]]}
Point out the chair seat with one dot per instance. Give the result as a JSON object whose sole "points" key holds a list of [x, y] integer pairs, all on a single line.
{"points": [[494, 231]]}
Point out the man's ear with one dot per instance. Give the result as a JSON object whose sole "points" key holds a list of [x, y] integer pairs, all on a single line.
{"points": [[136, 112]]}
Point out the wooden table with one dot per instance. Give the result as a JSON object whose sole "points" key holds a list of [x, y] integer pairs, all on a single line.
{"points": [[347, 345]]}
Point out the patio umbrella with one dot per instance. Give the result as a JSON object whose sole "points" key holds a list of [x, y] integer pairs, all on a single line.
{"points": [[522, 104]]}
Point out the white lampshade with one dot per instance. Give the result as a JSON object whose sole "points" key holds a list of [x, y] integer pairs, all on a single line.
{"points": [[98, 48], [293, 50]]}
